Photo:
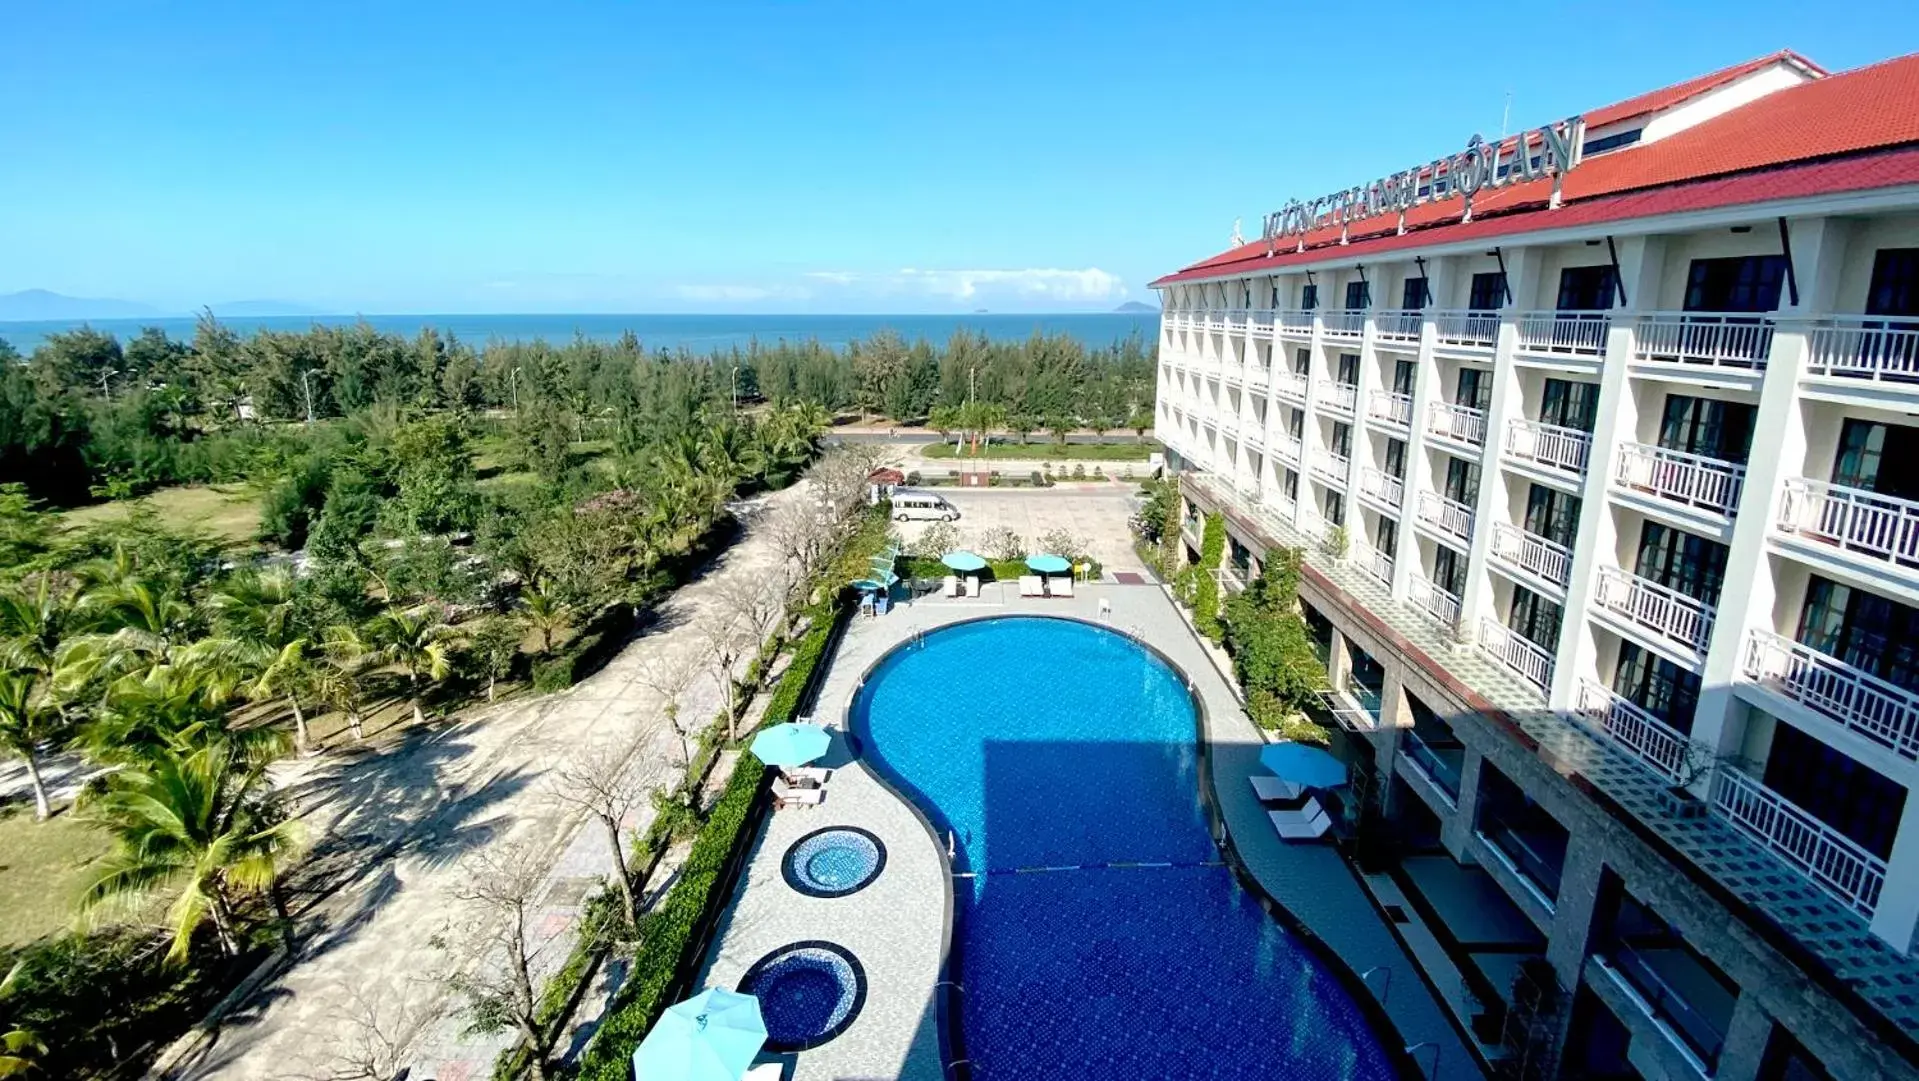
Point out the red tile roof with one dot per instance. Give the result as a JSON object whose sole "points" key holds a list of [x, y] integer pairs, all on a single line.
{"points": [[1667, 97], [1866, 110]]}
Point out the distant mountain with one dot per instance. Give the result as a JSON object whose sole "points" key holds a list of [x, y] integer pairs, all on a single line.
{"points": [[35, 304], [253, 308], [1136, 306]]}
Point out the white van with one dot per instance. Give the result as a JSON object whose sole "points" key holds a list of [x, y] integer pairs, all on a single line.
{"points": [[917, 504]]}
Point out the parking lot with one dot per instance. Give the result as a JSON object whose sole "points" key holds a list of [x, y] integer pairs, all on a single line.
{"points": [[1098, 517]]}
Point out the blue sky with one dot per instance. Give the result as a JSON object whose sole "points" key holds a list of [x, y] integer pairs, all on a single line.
{"points": [[837, 157]]}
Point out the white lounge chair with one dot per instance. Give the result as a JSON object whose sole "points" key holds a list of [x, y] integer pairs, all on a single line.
{"points": [[952, 588], [1308, 823], [1059, 587], [765, 1071], [972, 585], [815, 775], [787, 795], [1031, 585], [1273, 789]]}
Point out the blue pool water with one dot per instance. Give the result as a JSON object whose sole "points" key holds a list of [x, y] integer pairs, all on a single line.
{"points": [[1045, 743]]}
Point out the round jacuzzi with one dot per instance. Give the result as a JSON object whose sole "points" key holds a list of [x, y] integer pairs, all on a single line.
{"points": [[834, 861], [809, 992]]}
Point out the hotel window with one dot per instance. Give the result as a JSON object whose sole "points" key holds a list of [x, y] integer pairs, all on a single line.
{"points": [[1586, 288], [1413, 296], [1475, 389], [1403, 373], [1867, 631], [1879, 458], [1678, 560], [1449, 570], [1462, 480], [1786, 1060], [1342, 439], [1309, 296], [1388, 535], [1488, 292], [1303, 361], [1657, 686], [1552, 514], [1358, 295], [1568, 404], [1846, 795], [1295, 423], [1707, 427], [1744, 283], [1349, 369], [1289, 483], [1535, 619], [1334, 505], [1895, 283], [1609, 142], [1396, 458]]}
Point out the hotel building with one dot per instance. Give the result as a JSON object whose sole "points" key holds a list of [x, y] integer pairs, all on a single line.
{"points": [[1608, 475]]}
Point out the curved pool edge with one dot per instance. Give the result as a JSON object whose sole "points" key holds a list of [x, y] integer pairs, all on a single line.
{"points": [[947, 1001]]}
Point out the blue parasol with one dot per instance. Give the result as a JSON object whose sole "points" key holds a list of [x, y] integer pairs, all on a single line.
{"points": [[1048, 564], [964, 562], [1303, 764], [713, 1036]]}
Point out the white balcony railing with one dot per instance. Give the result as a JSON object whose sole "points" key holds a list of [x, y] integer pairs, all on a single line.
{"points": [[1389, 407], [1254, 434], [1864, 347], [1257, 377], [1376, 563], [1399, 326], [1297, 321], [1236, 319], [1564, 449], [1344, 322], [1469, 328], [1384, 487], [1332, 468], [1460, 423], [1692, 480], [1661, 609], [1229, 424], [1434, 601], [1650, 739], [1532, 553], [1828, 857], [1712, 339], [1261, 324], [1881, 711], [1878, 526], [1341, 396], [1287, 447], [1517, 652], [1447, 515], [1578, 333], [1291, 385]]}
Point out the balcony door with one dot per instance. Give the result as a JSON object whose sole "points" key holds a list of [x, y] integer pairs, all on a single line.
{"points": [[1535, 619], [1309, 296], [1681, 561], [1569, 404], [1475, 389], [1707, 427], [1412, 296], [1462, 481], [1895, 282], [1869, 632], [1882, 458], [1403, 372], [1358, 295], [1396, 458], [1657, 686], [1342, 440], [1846, 795], [1449, 570], [1488, 292], [1349, 369], [1303, 361], [1552, 514], [1742, 283], [1586, 288]]}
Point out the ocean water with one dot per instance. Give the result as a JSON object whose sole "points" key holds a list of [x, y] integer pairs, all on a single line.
{"points": [[695, 332], [1100, 935]]}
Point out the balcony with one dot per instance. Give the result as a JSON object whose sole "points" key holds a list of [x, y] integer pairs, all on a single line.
{"points": [[1257, 377], [1290, 385], [1254, 434], [1399, 326], [1260, 324], [1389, 407], [1339, 397], [1681, 994], [1532, 554], [1882, 712], [1344, 322], [1440, 763], [1216, 320], [1449, 516], [1236, 320], [1516, 652], [1376, 563], [1562, 449], [1332, 468], [1703, 339], [1232, 374], [1287, 447], [1877, 528], [1864, 348], [1229, 425], [1666, 612], [1648, 738], [1469, 329], [1829, 858], [1381, 487], [1689, 480], [1296, 322], [1564, 333], [1532, 844], [1459, 423], [1434, 601]]}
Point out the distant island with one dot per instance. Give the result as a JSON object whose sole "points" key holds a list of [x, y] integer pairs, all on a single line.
{"points": [[1133, 306], [38, 304]]}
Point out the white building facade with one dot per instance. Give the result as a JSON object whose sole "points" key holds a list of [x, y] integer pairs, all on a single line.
{"points": [[1611, 497]]}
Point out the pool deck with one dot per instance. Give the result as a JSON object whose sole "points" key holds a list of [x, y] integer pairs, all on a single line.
{"points": [[896, 926]]}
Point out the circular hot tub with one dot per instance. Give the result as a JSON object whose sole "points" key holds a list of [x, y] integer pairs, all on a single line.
{"points": [[834, 861], [809, 992]]}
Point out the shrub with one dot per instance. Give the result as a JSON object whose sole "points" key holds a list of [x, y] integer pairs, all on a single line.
{"points": [[553, 674], [913, 478], [1079, 471], [1038, 480], [1212, 548], [1000, 542]]}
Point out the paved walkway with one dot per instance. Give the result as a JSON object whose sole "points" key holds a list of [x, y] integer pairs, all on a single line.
{"points": [[397, 832], [896, 931]]}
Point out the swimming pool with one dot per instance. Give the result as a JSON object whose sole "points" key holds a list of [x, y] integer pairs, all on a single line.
{"points": [[1100, 934]]}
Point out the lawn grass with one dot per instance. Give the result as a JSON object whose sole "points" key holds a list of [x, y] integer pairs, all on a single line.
{"points": [[230, 513], [43, 868], [1044, 451]]}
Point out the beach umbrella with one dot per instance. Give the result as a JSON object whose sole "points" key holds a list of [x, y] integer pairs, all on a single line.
{"points": [[713, 1036], [1048, 564], [1303, 764], [964, 562], [790, 744]]}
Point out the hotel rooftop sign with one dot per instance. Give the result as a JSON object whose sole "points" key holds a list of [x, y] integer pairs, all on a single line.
{"points": [[1551, 152]]}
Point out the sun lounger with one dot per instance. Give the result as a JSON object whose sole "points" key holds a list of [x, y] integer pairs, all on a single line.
{"points": [[1308, 823], [765, 1071], [972, 585], [812, 775], [1031, 585], [1059, 587], [786, 795], [1273, 789], [952, 588]]}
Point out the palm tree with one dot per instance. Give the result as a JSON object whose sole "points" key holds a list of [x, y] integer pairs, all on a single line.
{"points": [[546, 613], [195, 821], [28, 722], [139, 623], [37, 615], [340, 680], [256, 615], [417, 640], [15, 1042], [142, 713]]}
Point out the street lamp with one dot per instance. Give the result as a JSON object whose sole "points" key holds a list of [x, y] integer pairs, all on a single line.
{"points": [[306, 384], [736, 389], [513, 381], [105, 390]]}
